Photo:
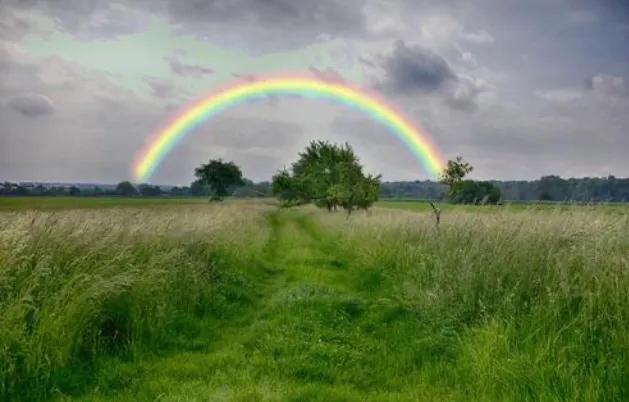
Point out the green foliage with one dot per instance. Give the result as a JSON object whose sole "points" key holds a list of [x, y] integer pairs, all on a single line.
{"points": [[126, 189], [328, 175], [285, 188], [475, 192], [467, 191], [553, 188], [455, 172], [199, 189], [149, 191], [220, 176], [249, 189]]}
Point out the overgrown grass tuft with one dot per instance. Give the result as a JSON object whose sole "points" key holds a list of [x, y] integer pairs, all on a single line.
{"points": [[79, 285], [522, 306]]}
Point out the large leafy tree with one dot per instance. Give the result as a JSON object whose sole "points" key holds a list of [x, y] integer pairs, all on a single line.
{"points": [[220, 176], [328, 175]]}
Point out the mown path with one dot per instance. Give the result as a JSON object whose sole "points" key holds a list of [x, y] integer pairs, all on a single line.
{"points": [[311, 332]]}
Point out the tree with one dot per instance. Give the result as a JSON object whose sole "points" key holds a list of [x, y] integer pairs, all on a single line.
{"points": [[21, 190], [199, 189], [74, 190], [455, 172], [467, 191], [328, 175], [219, 176], [553, 188], [126, 189], [98, 191], [149, 191], [473, 192]]}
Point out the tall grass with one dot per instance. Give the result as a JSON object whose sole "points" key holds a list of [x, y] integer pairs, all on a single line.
{"points": [[507, 305], [517, 306], [80, 284]]}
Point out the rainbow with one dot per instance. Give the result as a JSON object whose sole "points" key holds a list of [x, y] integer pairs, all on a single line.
{"points": [[157, 147]]}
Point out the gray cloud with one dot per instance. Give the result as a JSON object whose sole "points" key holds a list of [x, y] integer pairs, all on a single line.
{"points": [[245, 77], [180, 68], [160, 87], [609, 85], [419, 73], [328, 74], [246, 133], [15, 23], [263, 23], [479, 38], [270, 24], [464, 93], [413, 68], [31, 105], [87, 18], [95, 128]]}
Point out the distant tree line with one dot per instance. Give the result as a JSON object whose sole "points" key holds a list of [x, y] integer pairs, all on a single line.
{"points": [[127, 189], [547, 188]]}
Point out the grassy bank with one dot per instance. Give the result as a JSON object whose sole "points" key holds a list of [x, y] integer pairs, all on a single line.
{"points": [[247, 302]]}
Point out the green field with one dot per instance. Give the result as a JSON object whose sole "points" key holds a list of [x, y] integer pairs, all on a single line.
{"points": [[24, 203], [177, 300], [521, 206]]}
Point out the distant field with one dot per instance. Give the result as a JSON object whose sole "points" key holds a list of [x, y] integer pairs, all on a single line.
{"points": [[20, 203], [421, 206], [186, 300], [44, 203]]}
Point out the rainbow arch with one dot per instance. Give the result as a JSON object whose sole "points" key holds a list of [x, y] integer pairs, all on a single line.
{"points": [[159, 145]]}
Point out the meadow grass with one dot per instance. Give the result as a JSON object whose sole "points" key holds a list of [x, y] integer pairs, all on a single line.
{"points": [[77, 285], [511, 206], [248, 302], [48, 203]]}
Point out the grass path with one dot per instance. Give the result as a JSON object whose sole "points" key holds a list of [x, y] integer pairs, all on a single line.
{"points": [[287, 343]]}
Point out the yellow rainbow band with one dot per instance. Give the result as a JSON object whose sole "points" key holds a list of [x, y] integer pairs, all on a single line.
{"points": [[149, 158]]}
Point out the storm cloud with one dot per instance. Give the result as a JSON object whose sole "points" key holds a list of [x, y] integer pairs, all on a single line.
{"points": [[413, 68]]}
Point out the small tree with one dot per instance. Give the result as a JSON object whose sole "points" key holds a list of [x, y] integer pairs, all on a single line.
{"points": [[126, 189], [467, 191], [219, 176], [453, 174]]}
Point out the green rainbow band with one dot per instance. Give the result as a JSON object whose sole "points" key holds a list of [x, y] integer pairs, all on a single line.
{"points": [[157, 148]]}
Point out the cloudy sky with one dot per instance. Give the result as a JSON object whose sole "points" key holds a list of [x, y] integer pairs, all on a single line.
{"points": [[519, 88]]}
